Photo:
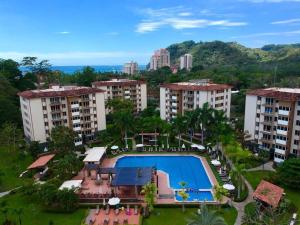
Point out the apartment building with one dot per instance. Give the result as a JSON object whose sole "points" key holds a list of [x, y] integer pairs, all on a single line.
{"points": [[130, 68], [272, 119], [159, 59], [79, 108], [186, 62], [134, 90], [176, 98]]}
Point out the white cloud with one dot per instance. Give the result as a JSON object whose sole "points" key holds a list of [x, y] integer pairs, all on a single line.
{"points": [[285, 33], [64, 32], [178, 18], [179, 24], [290, 21]]}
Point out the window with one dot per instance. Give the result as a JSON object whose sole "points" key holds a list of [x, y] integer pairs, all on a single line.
{"points": [[296, 142], [44, 108], [257, 115], [64, 113], [297, 132], [295, 151], [45, 116], [298, 112], [46, 124], [298, 122], [258, 98]]}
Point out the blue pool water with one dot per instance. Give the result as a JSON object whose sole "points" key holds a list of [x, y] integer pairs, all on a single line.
{"points": [[179, 168]]}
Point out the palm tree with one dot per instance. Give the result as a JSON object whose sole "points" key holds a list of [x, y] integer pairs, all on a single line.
{"points": [[149, 190], [204, 115], [220, 192], [237, 173], [179, 125], [183, 194], [124, 121], [191, 118], [207, 217]]}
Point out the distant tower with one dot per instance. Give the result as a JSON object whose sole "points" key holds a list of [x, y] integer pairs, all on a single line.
{"points": [[186, 62], [159, 59], [130, 68]]}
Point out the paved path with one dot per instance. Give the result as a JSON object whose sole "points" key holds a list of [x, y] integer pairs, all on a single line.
{"points": [[240, 206], [267, 166], [2, 194]]}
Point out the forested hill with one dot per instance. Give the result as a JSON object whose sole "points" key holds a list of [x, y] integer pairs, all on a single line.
{"points": [[218, 53]]}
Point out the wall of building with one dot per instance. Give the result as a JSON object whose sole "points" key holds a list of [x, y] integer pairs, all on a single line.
{"points": [[101, 115], [162, 103], [250, 115], [144, 96], [37, 122]]}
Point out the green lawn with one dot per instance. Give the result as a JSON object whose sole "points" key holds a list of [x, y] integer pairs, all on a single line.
{"points": [[256, 176], [175, 216], [11, 165], [33, 215]]}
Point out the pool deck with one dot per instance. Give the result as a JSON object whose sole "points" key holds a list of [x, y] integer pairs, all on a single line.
{"points": [[163, 178]]}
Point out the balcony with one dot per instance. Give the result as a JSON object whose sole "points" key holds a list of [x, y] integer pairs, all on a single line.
{"points": [[280, 151], [278, 160], [127, 97], [283, 132], [78, 143], [174, 104], [76, 121], [76, 128], [282, 122], [283, 112], [75, 113], [174, 110], [282, 142], [73, 106], [174, 97]]}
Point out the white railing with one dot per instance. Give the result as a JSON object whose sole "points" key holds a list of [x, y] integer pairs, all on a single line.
{"points": [[283, 122], [282, 142], [283, 132], [73, 106], [283, 112]]}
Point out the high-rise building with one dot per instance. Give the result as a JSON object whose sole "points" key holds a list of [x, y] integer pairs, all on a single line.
{"points": [[177, 98], [160, 59], [186, 62], [272, 120], [79, 108], [130, 68], [134, 90]]}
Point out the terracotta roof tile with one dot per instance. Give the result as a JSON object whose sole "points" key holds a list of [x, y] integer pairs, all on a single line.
{"points": [[275, 93], [59, 93], [118, 83], [268, 193], [196, 87], [41, 161]]}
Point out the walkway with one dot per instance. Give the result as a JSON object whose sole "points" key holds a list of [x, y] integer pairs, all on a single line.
{"points": [[240, 206], [2, 194], [267, 166]]}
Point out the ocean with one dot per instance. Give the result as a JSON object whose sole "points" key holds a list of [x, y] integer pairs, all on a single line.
{"points": [[99, 68]]}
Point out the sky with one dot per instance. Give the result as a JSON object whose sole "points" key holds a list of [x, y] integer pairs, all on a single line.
{"points": [[110, 32]]}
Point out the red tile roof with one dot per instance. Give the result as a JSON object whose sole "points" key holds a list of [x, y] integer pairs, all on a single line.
{"points": [[118, 83], [275, 93], [59, 93], [268, 193], [196, 87], [41, 161]]}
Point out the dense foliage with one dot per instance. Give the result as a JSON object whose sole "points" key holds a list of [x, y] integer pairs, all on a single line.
{"points": [[289, 173]]}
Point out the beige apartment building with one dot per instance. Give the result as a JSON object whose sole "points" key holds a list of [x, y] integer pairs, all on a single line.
{"points": [[133, 90], [159, 59], [131, 68], [176, 98], [272, 119], [79, 108], [186, 62]]}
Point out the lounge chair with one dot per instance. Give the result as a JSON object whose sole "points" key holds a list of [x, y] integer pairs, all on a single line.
{"points": [[125, 221], [117, 211], [106, 221]]}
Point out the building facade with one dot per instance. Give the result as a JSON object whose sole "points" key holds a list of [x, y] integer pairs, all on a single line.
{"points": [[176, 98], [272, 120], [186, 62], [79, 108], [130, 68], [160, 59], [133, 90]]}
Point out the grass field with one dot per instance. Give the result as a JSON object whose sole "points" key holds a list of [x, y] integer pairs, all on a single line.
{"points": [[33, 214], [12, 164], [255, 177], [175, 216]]}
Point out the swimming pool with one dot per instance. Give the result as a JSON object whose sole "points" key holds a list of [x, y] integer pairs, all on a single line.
{"points": [[179, 168]]}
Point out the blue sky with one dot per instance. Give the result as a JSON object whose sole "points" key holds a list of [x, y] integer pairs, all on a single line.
{"points": [[95, 32]]}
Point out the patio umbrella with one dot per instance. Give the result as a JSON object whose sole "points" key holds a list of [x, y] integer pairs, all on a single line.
{"points": [[139, 145], [104, 203], [220, 171], [162, 146], [216, 162], [114, 147], [183, 146], [218, 157], [229, 187], [114, 201]]}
